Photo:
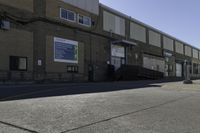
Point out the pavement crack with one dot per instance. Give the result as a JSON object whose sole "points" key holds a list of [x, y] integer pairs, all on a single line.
{"points": [[18, 127], [126, 114]]}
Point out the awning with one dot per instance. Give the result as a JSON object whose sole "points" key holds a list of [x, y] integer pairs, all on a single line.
{"points": [[126, 42]]}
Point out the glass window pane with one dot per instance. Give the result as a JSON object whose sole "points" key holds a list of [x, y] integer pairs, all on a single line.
{"points": [[71, 16], [85, 20], [22, 64], [63, 13]]}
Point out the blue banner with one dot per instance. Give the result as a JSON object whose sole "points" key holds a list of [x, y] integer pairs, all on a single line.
{"points": [[65, 51]]}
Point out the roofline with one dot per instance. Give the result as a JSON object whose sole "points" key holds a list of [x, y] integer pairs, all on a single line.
{"points": [[146, 25]]}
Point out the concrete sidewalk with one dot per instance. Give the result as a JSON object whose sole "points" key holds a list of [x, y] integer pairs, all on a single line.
{"points": [[14, 92], [156, 108]]}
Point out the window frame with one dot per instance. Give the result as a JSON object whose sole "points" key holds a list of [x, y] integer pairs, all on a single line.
{"points": [[67, 41], [63, 18], [18, 59], [78, 17]]}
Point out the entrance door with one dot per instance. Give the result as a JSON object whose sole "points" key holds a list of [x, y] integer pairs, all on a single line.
{"points": [[179, 70], [169, 64], [117, 56], [117, 62]]}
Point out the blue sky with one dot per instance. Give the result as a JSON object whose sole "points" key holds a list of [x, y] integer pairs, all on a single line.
{"points": [[179, 18]]}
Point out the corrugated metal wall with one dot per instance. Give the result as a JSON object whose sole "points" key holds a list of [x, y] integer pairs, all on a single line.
{"points": [[188, 51], [195, 53], [168, 44], [179, 47], [21, 4], [199, 54], [137, 32], [88, 5], [113, 23], [154, 38]]}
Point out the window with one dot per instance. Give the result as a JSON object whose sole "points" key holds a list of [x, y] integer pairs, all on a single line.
{"points": [[72, 69], [67, 15], [65, 50], [18, 63], [84, 20]]}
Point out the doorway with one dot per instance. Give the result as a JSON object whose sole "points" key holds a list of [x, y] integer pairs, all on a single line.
{"points": [[117, 62], [117, 56]]}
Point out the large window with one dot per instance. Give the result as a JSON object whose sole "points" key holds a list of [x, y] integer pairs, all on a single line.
{"points": [[67, 15], [65, 50], [84, 20], [18, 63]]}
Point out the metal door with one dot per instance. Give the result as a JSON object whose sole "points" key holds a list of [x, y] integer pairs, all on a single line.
{"points": [[179, 70]]}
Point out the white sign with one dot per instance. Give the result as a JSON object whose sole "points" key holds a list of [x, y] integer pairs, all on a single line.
{"points": [[65, 50], [22, 63], [39, 62], [117, 51]]}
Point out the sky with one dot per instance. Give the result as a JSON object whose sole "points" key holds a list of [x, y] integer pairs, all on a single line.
{"points": [[178, 18]]}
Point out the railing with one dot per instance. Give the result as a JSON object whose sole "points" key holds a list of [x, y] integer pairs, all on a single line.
{"points": [[131, 72]]}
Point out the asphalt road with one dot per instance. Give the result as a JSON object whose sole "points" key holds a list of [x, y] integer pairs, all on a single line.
{"points": [[125, 107]]}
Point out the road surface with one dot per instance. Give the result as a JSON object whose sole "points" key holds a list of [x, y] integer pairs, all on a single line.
{"points": [[124, 107]]}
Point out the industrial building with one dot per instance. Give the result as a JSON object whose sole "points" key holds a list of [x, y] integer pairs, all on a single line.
{"points": [[77, 40]]}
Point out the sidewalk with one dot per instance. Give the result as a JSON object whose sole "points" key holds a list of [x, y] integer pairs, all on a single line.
{"points": [[125, 107]]}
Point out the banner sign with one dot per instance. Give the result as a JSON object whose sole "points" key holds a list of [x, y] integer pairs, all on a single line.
{"points": [[65, 50], [117, 51]]}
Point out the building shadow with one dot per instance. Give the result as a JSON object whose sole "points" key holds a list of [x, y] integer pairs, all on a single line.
{"points": [[20, 92]]}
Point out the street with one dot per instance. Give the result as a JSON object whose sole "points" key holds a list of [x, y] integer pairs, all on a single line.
{"points": [[123, 107]]}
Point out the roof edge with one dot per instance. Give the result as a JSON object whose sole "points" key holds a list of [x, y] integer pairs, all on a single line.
{"points": [[146, 25]]}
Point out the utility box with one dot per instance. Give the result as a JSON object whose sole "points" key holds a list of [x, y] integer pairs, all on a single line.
{"points": [[5, 25]]}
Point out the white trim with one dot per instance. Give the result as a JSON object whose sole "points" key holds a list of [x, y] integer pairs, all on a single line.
{"points": [[58, 39], [67, 18], [66, 61], [83, 18]]}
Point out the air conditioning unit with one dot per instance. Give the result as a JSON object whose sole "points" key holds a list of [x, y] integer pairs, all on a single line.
{"points": [[5, 25]]}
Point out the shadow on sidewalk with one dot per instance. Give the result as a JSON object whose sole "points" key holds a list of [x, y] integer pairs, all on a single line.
{"points": [[9, 93]]}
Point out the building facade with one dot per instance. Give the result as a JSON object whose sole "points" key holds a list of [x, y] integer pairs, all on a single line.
{"points": [[75, 40]]}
